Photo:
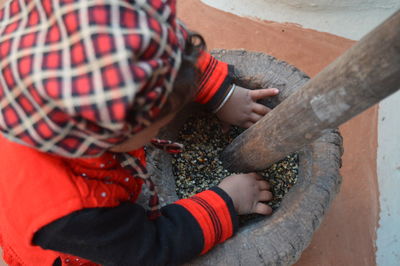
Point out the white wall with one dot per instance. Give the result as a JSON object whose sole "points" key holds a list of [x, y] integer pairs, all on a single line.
{"points": [[388, 233], [347, 18]]}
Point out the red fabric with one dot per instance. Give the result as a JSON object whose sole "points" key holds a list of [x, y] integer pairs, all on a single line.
{"points": [[87, 84], [212, 214], [68, 260], [40, 188], [214, 73]]}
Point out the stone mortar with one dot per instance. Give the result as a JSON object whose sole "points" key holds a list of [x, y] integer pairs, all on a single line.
{"points": [[281, 238]]}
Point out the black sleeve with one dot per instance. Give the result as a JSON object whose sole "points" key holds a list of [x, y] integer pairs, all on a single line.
{"points": [[124, 235]]}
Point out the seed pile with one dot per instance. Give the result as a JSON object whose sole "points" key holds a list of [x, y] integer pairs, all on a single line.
{"points": [[198, 167]]}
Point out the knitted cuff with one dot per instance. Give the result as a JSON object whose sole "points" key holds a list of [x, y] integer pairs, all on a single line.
{"points": [[214, 211], [215, 81]]}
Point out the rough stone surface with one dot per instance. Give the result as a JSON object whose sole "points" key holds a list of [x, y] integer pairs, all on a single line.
{"points": [[280, 238]]}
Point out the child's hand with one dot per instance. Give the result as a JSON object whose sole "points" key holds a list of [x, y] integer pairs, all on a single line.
{"points": [[242, 108], [246, 192]]}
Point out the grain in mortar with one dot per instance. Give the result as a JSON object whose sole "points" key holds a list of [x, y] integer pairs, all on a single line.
{"points": [[198, 167]]}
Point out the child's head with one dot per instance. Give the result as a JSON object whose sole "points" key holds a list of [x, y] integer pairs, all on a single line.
{"points": [[184, 90], [80, 96], [186, 82]]}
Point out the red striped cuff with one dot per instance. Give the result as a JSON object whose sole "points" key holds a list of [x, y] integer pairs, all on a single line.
{"points": [[214, 79], [213, 210]]}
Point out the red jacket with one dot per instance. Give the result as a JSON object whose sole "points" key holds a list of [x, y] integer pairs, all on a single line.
{"points": [[37, 189]]}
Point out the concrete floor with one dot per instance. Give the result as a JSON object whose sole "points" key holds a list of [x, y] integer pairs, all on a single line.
{"points": [[347, 235]]}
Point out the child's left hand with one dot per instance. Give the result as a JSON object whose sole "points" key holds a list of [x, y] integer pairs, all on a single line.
{"points": [[242, 108]]}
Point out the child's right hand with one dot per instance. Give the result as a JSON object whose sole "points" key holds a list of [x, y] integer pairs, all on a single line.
{"points": [[247, 191]]}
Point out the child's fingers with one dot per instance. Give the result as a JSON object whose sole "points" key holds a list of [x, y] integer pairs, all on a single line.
{"points": [[265, 195], [263, 93], [257, 176], [260, 109], [255, 117], [262, 208], [225, 127], [263, 185], [248, 124]]}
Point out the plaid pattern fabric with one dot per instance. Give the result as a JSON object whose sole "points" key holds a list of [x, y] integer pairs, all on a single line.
{"points": [[70, 70], [167, 146], [138, 169]]}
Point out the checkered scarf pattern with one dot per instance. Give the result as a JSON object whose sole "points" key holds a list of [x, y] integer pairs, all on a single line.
{"points": [[71, 70], [138, 169]]}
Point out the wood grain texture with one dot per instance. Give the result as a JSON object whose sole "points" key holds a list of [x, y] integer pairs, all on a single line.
{"points": [[367, 73]]}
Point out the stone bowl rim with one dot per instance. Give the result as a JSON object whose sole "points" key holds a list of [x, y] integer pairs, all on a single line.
{"points": [[286, 233]]}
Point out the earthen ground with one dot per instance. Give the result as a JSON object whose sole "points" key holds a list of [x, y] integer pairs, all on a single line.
{"points": [[347, 235]]}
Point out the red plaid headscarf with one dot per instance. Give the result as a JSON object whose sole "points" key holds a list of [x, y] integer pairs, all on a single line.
{"points": [[70, 71]]}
